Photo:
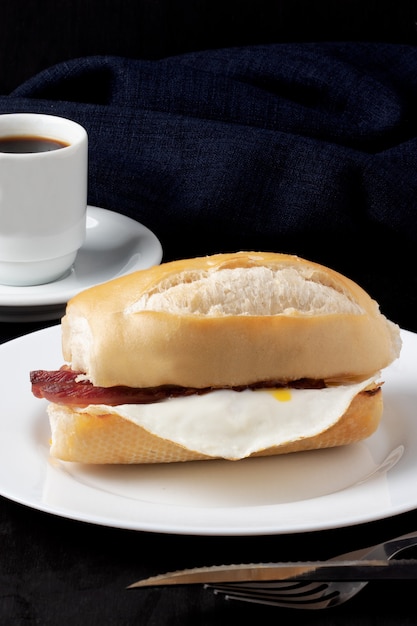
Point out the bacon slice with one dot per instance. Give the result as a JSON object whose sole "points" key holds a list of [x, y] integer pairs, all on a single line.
{"points": [[65, 386]]}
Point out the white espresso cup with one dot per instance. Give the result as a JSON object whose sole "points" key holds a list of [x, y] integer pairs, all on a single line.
{"points": [[43, 196]]}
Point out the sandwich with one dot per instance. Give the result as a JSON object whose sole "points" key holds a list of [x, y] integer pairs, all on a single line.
{"points": [[227, 356]]}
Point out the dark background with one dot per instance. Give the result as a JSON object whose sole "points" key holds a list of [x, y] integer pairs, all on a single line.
{"points": [[35, 34], [38, 34]]}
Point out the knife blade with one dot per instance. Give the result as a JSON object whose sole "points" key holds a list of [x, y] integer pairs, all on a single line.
{"points": [[379, 569]]}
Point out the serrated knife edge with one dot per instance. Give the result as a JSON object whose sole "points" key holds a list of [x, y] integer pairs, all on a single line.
{"points": [[310, 570]]}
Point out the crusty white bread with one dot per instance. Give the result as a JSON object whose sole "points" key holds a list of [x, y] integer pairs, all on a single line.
{"points": [[227, 320], [219, 322]]}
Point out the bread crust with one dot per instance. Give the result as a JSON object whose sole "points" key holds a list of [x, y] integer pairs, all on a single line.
{"points": [[110, 439], [151, 348]]}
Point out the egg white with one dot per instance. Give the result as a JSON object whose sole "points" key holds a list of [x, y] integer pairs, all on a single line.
{"points": [[234, 424]]}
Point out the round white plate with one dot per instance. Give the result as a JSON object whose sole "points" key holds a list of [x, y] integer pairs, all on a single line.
{"points": [[294, 493], [114, 245]]}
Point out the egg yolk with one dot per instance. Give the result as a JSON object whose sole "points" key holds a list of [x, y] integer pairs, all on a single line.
{"points": [[281, 394]]}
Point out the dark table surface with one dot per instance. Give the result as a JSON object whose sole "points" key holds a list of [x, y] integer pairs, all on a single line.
{"points": [[55, 570]]}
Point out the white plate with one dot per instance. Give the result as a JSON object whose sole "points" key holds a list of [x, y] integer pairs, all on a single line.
{"points": [[114, 245], [299, 492]]}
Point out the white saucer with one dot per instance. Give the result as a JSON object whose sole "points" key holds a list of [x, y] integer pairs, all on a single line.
{"points": [[115, 245]]}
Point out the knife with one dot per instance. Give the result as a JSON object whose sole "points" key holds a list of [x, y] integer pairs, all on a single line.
{"points": [[377, 569]]}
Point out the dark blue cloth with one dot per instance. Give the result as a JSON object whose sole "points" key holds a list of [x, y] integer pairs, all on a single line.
{"points": [[302, 148]]}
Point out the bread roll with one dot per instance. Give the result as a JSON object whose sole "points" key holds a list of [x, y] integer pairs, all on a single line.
{"points": [[227, 320], [282, 355]]}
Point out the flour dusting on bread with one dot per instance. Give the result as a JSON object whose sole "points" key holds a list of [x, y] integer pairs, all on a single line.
{"points": [[247, 291]]}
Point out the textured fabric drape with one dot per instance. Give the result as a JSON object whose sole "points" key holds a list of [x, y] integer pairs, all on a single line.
{"points": [[303, 148]]}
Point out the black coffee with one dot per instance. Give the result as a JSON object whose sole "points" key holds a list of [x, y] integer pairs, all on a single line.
{"points": [[26, 144]]}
